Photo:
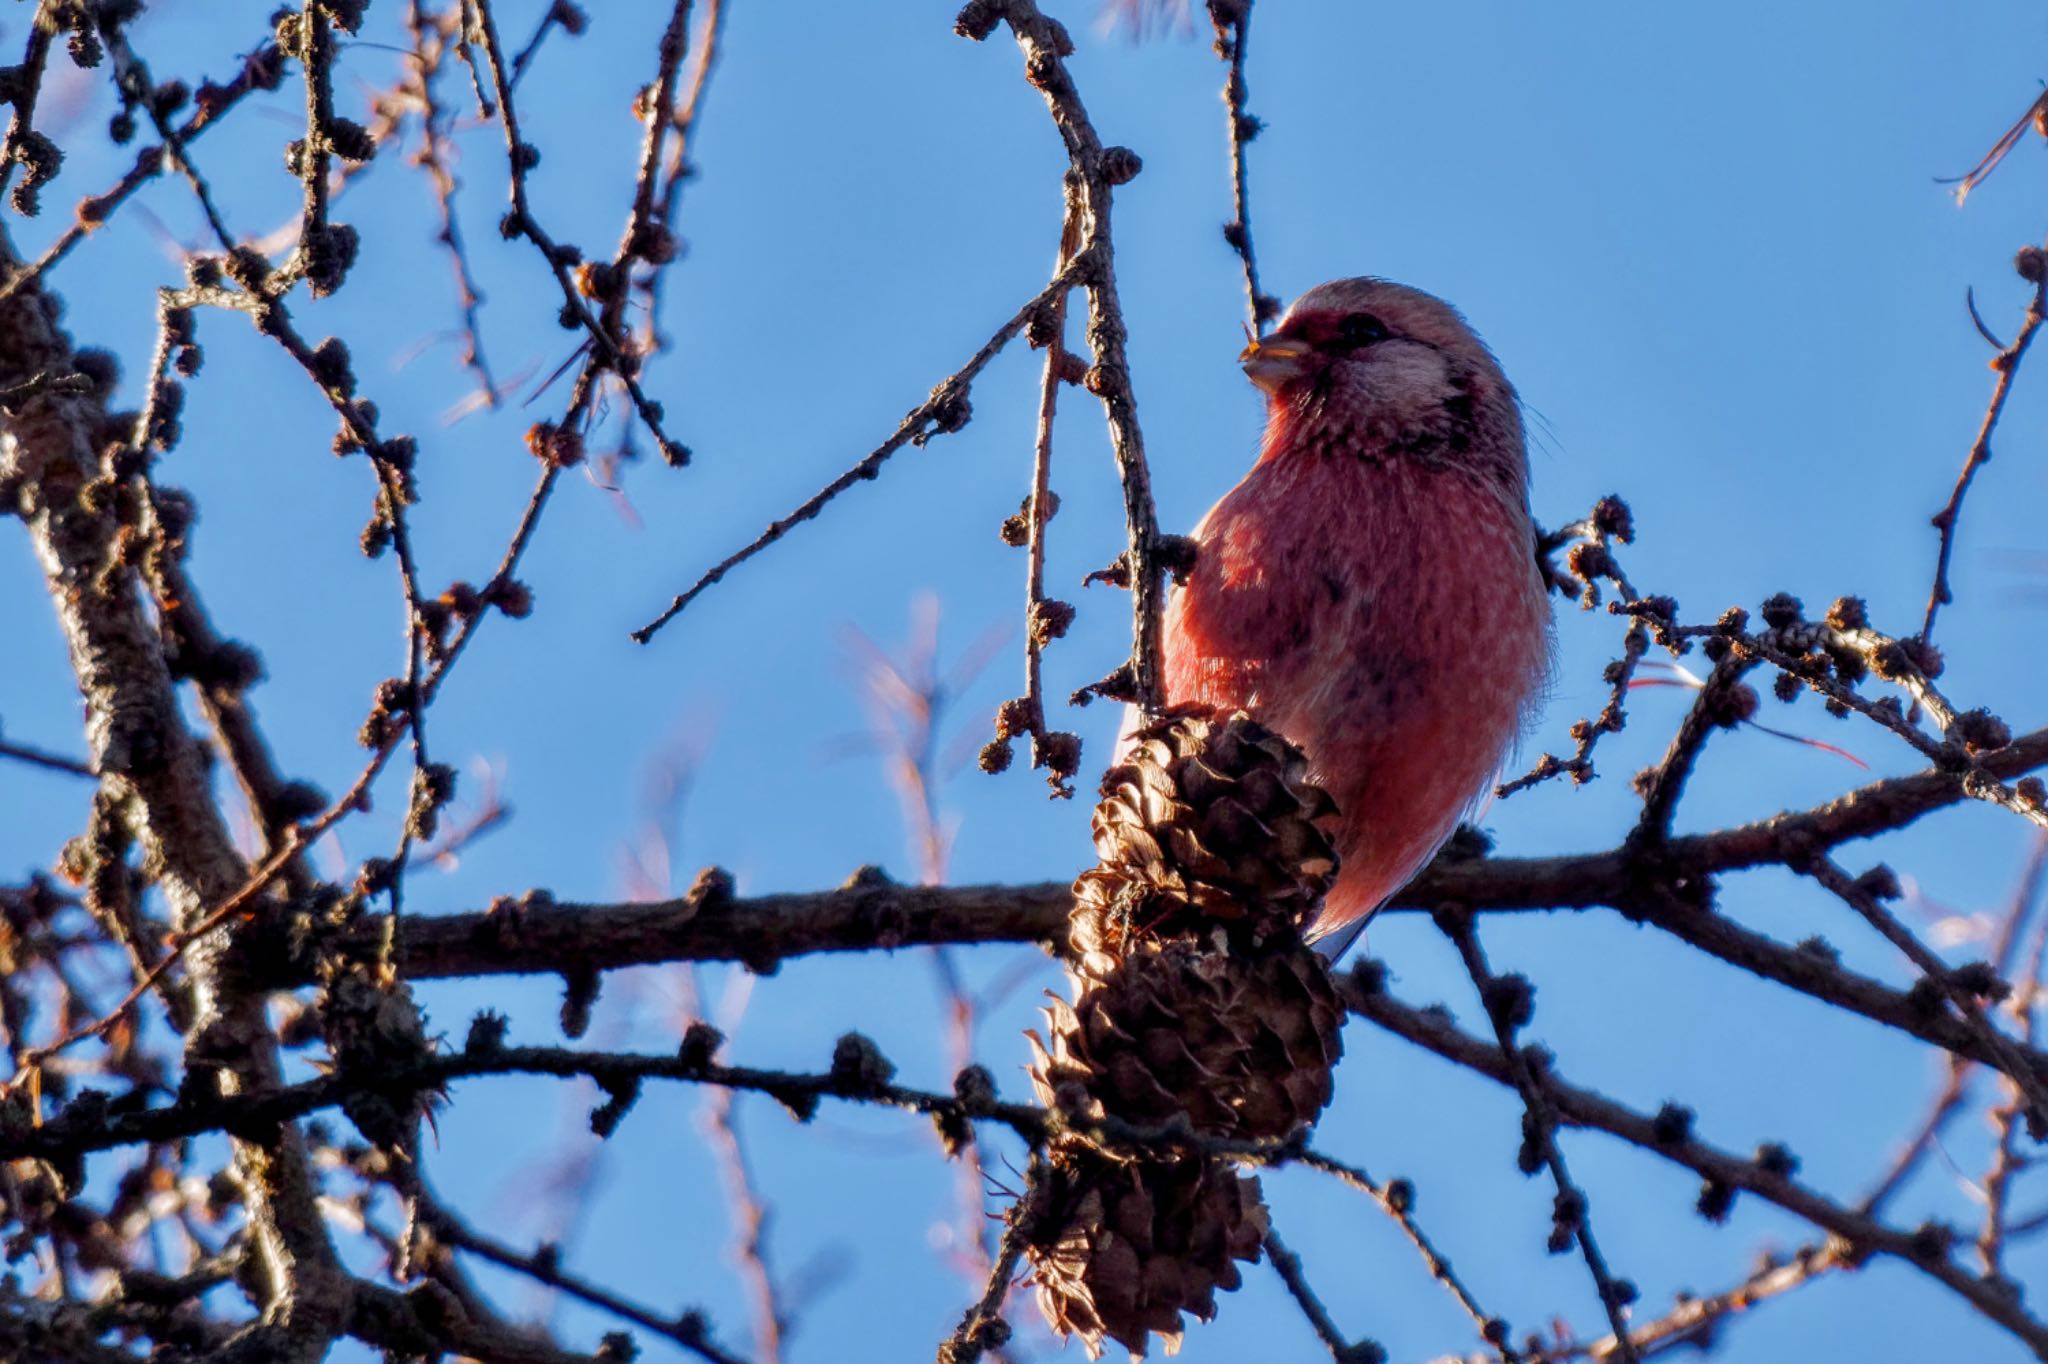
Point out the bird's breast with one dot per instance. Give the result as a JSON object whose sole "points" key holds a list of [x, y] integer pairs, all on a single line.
{"points": [[1376, 581]]}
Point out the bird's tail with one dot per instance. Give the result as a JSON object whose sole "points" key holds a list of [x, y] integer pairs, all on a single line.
{"points": [[1333, 943]]}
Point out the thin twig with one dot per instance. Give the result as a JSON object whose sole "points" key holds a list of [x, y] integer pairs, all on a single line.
{"points": [[608, 352], [1694, 1321], [688, 1330], [261, 70], [1926, 1249], [559, 15], [1948, 1101], [2036, 112], [52, 762], [2007, 1161], [29, 74], [430, 43], [1233, 21], [1045, 620], [945, 410], [1396, 1198], [1093, 172], [1574, 1212], [982, 1327], [2007, 366], [677, 166], [1288, 1266], [1861, 897]]}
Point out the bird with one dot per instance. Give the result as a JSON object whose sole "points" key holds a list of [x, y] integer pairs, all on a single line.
{"points": [[1370, 589]]}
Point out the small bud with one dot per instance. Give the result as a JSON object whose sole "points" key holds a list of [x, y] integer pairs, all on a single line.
{"points": [[1058, 753], [1369, 976], [1734, 705], [977, 19], [599, 279], [1510, 1001], [556, 445], [1978, 978], [700, 1044], [620, 1094], [1587, 561], [1980, 732], [1176, 554], [297, 800], [1672, 1125], [579, 995], [331, 366], [1015, 716], [858, 1066], [950, 409], [486, 1034], [654, 244], [1120, 165], [1848, 613], [1782, 609], [1932, 1240], [350, 140], [510, 596], [1049, 621], [975, 1088], [1774, 1159], [1880, 883]]}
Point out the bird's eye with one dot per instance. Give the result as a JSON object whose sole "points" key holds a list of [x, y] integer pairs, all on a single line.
{"points": [[1360, 329]]}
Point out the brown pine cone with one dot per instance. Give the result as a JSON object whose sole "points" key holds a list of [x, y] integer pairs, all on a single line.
{"points": [[1242, 1044], [1207, 821], [1194, 999], [1122, 1249]]}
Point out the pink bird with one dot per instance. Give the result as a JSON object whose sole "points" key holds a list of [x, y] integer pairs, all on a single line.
{"points": [[1370, 588]]}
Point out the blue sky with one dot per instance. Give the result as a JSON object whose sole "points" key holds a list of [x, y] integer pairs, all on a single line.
{"points": [[1708, 247]]}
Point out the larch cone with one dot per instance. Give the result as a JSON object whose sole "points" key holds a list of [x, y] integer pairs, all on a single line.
{"points": [[1194, 1000]]}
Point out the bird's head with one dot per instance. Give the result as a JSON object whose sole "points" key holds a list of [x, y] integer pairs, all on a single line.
{"points": [[1389, 369]]}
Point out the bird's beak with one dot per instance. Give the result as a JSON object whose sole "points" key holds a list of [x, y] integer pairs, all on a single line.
{"points": [[1273, 361]]}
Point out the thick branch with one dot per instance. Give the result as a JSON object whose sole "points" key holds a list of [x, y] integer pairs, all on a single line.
{"points": [[538, 936], [151, 768]]}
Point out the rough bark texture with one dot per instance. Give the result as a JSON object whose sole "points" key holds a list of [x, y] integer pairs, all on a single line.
{"points": [[153, 773]]}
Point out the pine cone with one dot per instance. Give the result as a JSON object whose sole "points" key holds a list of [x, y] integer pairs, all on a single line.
{"points": [[1206, 821], [1194, 999], [1241, 1043], [1120, 1250]]}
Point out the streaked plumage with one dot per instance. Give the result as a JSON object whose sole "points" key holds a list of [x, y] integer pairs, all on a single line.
{"points": [[1370, 588]]}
